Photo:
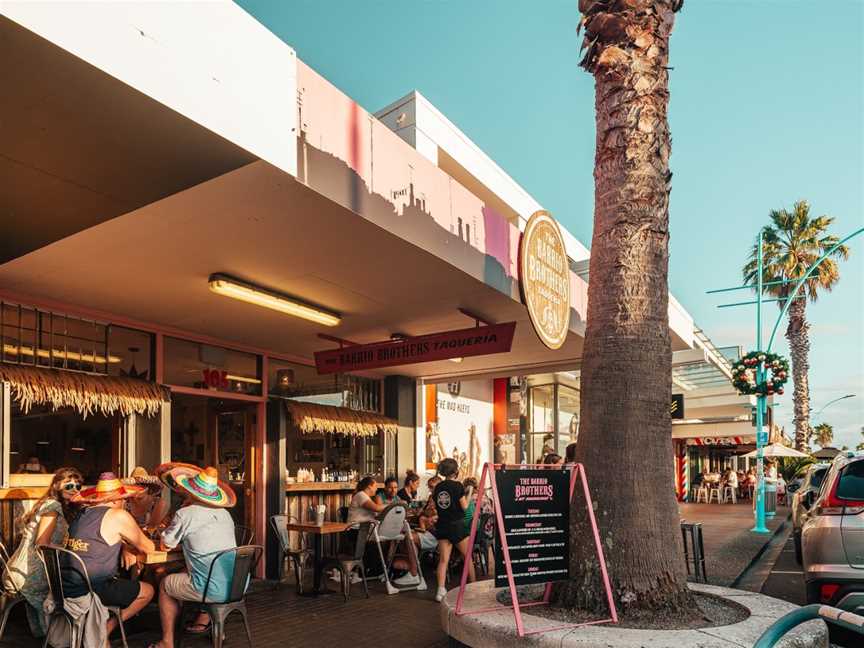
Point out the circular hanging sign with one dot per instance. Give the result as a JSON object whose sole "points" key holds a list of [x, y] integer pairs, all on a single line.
{"points": [[544, 275]]}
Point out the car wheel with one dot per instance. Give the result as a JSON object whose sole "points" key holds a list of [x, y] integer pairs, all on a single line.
{"points": [[797, 540]]}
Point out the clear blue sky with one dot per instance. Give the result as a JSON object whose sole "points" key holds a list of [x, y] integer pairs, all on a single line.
{"points": [[767, 105]]}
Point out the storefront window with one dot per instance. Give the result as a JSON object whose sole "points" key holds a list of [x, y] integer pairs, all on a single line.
{"points": [[43, 440], [130, 352], [192, 364], [542, 423], [568, 417], [303, 383], [45, 339]]}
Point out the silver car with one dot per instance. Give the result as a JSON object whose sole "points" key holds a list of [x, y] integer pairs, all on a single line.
{"points": [[803, 500], [832, 537]]}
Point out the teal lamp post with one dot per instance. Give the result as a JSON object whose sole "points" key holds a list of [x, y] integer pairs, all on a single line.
{"points": [[762, 398]]}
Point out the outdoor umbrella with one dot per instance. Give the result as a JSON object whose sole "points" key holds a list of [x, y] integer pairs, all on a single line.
{"points": [[777, 450]]}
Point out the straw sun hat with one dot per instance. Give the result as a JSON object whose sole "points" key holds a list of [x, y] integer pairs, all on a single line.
{"points": [[108, 489], [140, 477], [203, 484]]}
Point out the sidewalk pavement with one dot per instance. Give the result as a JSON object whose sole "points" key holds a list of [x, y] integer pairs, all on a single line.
{"points": [[279, 617], [730, 546]]}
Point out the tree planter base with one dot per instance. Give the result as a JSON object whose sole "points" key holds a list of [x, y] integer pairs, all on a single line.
{"points": [[498, 629]]}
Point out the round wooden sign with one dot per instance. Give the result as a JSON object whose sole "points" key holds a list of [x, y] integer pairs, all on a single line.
{"points": [[544, 275]]}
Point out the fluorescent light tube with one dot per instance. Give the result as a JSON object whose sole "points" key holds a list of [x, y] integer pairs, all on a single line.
{"points": [[230, 287]]}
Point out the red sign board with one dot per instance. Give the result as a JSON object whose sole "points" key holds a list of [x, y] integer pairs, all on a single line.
{"points": [[475, 341]]}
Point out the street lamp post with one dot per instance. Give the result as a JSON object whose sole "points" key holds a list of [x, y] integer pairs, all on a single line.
{"points": [[761, 399], [822, 409]]}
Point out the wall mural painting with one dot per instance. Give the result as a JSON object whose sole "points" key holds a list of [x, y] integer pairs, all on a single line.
{"points": [[463, 430]]}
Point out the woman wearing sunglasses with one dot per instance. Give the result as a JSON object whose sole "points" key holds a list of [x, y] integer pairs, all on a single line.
{"points": [[46, 523]]}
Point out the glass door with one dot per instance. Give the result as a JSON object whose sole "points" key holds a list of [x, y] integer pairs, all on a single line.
{"points": [[235, 455], [221, 433]]}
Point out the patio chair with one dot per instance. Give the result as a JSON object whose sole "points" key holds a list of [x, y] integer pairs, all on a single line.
{"points": [[9, 595], [483, 540], [392, 526], [342, 513], [51, 559], [349, 562], [245, 559], [729, 494], [298, 557], [243, 535]]}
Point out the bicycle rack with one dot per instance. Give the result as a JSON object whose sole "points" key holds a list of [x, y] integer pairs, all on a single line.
{"points": [[841, 618]]}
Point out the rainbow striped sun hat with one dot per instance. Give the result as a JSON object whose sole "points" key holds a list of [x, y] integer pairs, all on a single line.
{"points": [[108, 489], [204, 485]]}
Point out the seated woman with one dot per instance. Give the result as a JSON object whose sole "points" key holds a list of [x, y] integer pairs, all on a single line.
{"points": [[364, 508], [46, 523]]}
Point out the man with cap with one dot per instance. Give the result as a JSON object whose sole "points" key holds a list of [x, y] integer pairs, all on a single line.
{"points": [[203, 527], [98, 535]]}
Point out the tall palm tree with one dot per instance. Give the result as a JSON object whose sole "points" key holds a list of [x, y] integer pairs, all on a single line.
{"points": [[823, 434], [624, 441], [793, 242]]}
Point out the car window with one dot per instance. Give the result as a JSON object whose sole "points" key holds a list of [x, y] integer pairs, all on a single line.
{"points": [[816, 478], [851, 485]]}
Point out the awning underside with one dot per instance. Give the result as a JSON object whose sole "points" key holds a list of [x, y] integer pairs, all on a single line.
{"points": [[311, 418]]}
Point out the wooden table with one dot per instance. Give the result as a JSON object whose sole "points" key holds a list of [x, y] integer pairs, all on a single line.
{"points": [[318, 531], [160, 557]]}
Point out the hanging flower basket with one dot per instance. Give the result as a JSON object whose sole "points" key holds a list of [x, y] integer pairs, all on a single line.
{"points": [[775, 373]]}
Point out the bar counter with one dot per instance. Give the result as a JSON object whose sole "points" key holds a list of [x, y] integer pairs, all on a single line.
{"points": [[299, 497]]}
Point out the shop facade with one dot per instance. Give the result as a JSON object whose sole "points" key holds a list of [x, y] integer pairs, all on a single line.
{"points": [[377, 227]]}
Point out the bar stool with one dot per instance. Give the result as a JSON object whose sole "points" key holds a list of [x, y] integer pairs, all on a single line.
{"points": [[714, 493], [702, 494], [729, 494]]}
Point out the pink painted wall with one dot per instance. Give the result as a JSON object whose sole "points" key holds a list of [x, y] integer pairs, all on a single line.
{"points": [[352, 158]]}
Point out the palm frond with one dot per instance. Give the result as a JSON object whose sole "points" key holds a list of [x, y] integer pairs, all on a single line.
{"points": [[791, 243]]}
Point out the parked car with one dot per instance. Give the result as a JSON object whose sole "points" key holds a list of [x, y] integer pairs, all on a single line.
{"points": [[832, 537], [802, 501]]}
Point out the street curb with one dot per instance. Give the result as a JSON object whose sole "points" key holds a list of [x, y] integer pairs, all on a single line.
{"points": [[736, 584]]}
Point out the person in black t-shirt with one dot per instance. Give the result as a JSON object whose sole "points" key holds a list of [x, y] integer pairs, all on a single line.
{"points": [[450, 503]]}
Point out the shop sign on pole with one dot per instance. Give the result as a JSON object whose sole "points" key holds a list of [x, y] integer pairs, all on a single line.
{"points": [[532, 530], [677, 407], [463, 343], [544, 278]]}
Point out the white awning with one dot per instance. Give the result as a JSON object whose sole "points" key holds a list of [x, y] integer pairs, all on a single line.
{"points": [[715, 430]]}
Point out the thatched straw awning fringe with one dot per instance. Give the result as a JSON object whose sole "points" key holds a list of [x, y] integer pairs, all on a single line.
{"points": [[311, 418], [86, 393]]}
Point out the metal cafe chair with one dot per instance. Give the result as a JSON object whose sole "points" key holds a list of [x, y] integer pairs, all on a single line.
{"points": [[347, 563], [243, 535], [51, 559], [245, 560], [10, 596], [299, 558]]}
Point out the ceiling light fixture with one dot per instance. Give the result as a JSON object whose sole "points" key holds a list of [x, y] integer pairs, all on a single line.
{"points": [[230, 287]]}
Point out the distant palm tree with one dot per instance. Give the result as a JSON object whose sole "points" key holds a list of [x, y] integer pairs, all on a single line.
{"points": [[860, 446], [791, 244], [823, 434]]}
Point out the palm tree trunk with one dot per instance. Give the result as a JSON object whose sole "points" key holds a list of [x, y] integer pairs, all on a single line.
{"points": [[797, 332], [625, 439]]}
